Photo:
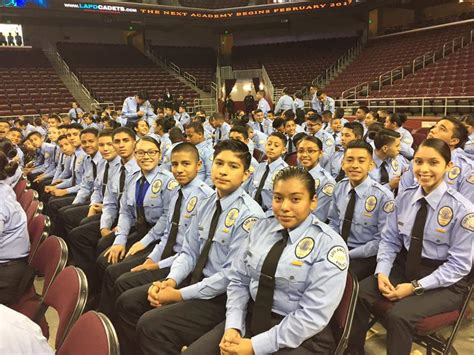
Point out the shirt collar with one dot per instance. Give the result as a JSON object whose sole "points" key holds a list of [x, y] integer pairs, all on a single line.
{"points": [[377, 160], [152, 174], [432, 198], [131, 165], [114, 161], [190, 187], [296, 233], [97, 158], [362, 188], [316, 169], [275, 164], [229, 200]]}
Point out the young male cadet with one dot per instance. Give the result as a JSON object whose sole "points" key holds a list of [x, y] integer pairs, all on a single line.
{"points": [[195, 135]]}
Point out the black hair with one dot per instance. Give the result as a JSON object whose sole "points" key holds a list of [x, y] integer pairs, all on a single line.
{"points": [[91, 130], [278, 122], [55, 117], [237, 122], [297, 137], [364, 108], [150, 140], [294, 172], [374, 114], [217, 116], [337, 112], [34, 133], [16, 129], [7, 168], [356, 128], [385, 137], [168, 123], [289, 115], [315, 118], [125, 130], [459, 131], [142, 95], [61, 137], [113, 123], [197, 126], [375, 128], [75, 126], [257, 111], [468, 119], [241, 130], [280, 136], [439, 145], [312, 139], [237, 147], [176, 135], [360, 144], [397, 118], [7, 147], [146, 122], [106, 133], [188, 148]]}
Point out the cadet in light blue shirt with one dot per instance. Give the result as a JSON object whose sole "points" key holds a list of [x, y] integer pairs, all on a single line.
{"points": [[221, 128], [425, 254], [213, 241], [46, 152], [195, 135], [323, 103], [135, 108], [240, 133], [14, 239], [258, 138], [360, 208], [298, 103], [183, 117], [308, 262], [260, 123], [285, 102], [461, 174], [468, 122], [394, 121], [314, 126], [308, 153], [75, 112], [262, 190], [262, 104]]}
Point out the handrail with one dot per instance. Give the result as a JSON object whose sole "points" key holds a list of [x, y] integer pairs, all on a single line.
{"points": [[174, 67], [392, 75], [270, 89], [354, 89], [191, 78]]}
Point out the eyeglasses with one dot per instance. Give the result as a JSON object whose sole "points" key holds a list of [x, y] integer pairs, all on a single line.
{"points": [[307, 151], [150, 153]]}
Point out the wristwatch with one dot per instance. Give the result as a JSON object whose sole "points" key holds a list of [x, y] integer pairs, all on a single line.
{"points": [[417, 288]]}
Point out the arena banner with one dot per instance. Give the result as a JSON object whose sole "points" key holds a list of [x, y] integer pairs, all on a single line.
{"points": [[125, 8]]}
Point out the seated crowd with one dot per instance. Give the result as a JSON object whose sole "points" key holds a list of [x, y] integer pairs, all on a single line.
{"points": [[235, 236]]}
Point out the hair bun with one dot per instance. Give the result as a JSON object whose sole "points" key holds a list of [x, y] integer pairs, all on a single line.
{"points": [[11, 168]]}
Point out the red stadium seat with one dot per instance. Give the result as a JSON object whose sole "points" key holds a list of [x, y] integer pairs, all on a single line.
{"points": [[38, 230]]}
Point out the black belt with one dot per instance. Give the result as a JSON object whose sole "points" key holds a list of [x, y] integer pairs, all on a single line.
{"points": [[13, 261], [431, 263]]}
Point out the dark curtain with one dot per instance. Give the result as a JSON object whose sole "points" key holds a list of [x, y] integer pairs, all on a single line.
{"points": [[229, 85], [256, 83]]}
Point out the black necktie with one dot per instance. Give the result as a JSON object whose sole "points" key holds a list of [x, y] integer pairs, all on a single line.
{"points": [[105, 177], [121, 184], [74, 170], [346, 223], [168, 250], [262, 310], [77, 116], [413, 262], [138, 107], [94, 169], [290, 145], [61, 161], [261, 126], [140, 209], [202, 261], [334, 136], [341, 175], [383, 173], [258, 194], [325, 125], [322, 106]]}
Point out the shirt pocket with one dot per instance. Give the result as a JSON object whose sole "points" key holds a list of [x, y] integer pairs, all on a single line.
{"points": [[253, 259], [292, 278]]}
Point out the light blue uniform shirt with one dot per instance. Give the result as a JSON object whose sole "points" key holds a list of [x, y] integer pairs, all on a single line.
{"points": [[335, 162], [284, 103], [112, 197], [264, 106], [183, 119], [329, 145], [73, 113], [328, 105], [239, 212], [14, 239], [309, 282], [406, 143], [193, 194], [156, 203], [222, 133], [206, 154], [298, 104], [260, 140], [324, 184], [266, 126], [99, 183], [87, 183], [459, 178], [76, 167], [267, 191], [469, 146], [129, 111], [373, 207], [395, 167], [165, 144], [166, 162], [63, 170], [57, 157], [47, 152], [447, 235], [247, 184]]}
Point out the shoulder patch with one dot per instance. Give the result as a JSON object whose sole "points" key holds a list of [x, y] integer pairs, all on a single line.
{"points": [[251, 169], [445, 215], [395, 165], [304, 247], [249, 223], [406, 140], [316, 183], [328, 189], [338, 257], [192, 204], [329, 142], [370, 203], [454, 172], [389, 206], [231, 217], [156, 186], [172, 184], [470, 179], [468, 222]]}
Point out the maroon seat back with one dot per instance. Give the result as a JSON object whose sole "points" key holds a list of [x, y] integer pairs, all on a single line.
{"points": [[26, 198], [49, 260], [341, 321], [67, 295], [93, 333], [417, 139], [38, 230], [258, 155], [291, 159], [20, 188], [31, 210]]}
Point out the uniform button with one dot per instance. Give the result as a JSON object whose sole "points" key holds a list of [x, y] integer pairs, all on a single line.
{"points": [[438, 240], [292, 277], [222, 240]]}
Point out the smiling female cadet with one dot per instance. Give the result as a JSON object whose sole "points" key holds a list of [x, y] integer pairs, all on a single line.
{"points": [[287, 282], [424, 256], [309, 152], [174, 316], [144, 205], [14, 240]]}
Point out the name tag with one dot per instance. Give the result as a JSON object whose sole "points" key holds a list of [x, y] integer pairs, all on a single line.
{"points": [[297, 263]]}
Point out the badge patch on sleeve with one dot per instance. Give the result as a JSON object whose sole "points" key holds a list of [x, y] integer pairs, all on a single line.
{"points": [[454, 172], [156, 187], [470, 179], [191, 204], [389, 206], [316, 183], [231, 217], [468, 222], [249, 223], [173, 184], [328, 189], [370, 203], [338, 256], [445, 215], [304, 247], [395, 165], [329, 142]]}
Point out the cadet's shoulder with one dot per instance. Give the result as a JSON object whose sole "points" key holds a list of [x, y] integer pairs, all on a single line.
{"points": [[204, 189], [251, 206], [459, 200], [326, 237], [381, 190]]}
